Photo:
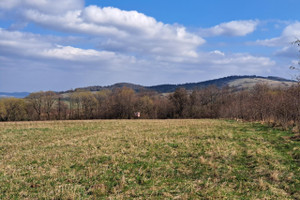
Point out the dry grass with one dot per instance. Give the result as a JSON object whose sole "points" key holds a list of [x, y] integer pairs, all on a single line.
{"points": [[248, 83], [147, 159]]}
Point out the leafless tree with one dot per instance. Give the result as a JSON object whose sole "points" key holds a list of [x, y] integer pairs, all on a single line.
{"points": [[180, 101], [36, 102], [13, 109], [49, 99]]}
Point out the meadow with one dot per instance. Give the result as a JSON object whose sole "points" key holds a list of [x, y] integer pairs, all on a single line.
{"points": [[147, 159]]}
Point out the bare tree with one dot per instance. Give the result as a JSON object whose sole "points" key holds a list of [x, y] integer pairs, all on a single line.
{"points": [[88, 103], [260, 102], [122, 103], [61, 108], [36, 102], [14, 109], [49, 99], [297, 68], [205, 103], [146, 106], [75, 102], [163, 108], [180, 101], [102, 98], [2, 110]]}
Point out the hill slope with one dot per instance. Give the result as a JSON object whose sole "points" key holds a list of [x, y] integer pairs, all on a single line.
{"points": [[237, 82]]}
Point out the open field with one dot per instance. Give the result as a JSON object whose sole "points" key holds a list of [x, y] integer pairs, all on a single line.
{"points": [[147, 159]]}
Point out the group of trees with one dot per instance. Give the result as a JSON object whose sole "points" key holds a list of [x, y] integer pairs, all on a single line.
{"points": [[275, 106]]}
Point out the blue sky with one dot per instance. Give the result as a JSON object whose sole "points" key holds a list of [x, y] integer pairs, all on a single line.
{"points": [[63, 44]]}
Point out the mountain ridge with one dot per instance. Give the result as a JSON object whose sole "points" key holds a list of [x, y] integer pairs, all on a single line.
{"points": [[220, 82], [236, 82]]}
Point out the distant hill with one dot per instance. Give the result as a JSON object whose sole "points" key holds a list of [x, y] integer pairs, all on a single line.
{"points": [[135, 87], [237, 82], [13, 94]]}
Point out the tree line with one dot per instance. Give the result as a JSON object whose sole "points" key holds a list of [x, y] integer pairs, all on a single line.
{"points": [[278, 107]]}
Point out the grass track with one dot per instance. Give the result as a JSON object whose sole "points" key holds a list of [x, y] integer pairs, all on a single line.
{"points": [[147, 159]]}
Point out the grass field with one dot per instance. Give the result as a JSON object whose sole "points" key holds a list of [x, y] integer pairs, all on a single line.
{"points": [[147, 159]]}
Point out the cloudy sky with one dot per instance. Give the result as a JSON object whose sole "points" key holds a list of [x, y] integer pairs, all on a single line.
{"points": [[64, 44]]}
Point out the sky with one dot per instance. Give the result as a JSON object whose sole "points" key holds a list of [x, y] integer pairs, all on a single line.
{"points": [[64, 44]]}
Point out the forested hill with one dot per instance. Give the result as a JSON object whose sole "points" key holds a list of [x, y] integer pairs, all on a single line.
{"points": [[237, 82]]}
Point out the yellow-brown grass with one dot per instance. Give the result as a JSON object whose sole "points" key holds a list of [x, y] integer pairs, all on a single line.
{"points": [[146, 159]]}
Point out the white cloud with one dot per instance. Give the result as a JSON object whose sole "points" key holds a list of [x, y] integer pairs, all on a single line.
{"points": [[288, 52], [45, 6], [234, 63], [21, 43], [232, 28], [132, 31], [128, 20], [77, 54], [217, 52], [292, 30], [289, 35], [242, 60], [23, 53], [17, 45]]}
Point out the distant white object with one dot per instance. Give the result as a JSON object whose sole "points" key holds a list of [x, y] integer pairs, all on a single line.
{"points": [[137, 114]]}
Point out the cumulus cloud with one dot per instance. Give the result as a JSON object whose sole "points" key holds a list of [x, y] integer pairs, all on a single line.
{"points": [[23, 53], [17, 45], [232, 28], [289, 35], [290, 52], [130, 30], [235, 63], [292, 30], [242, 60], [45, 6]]}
